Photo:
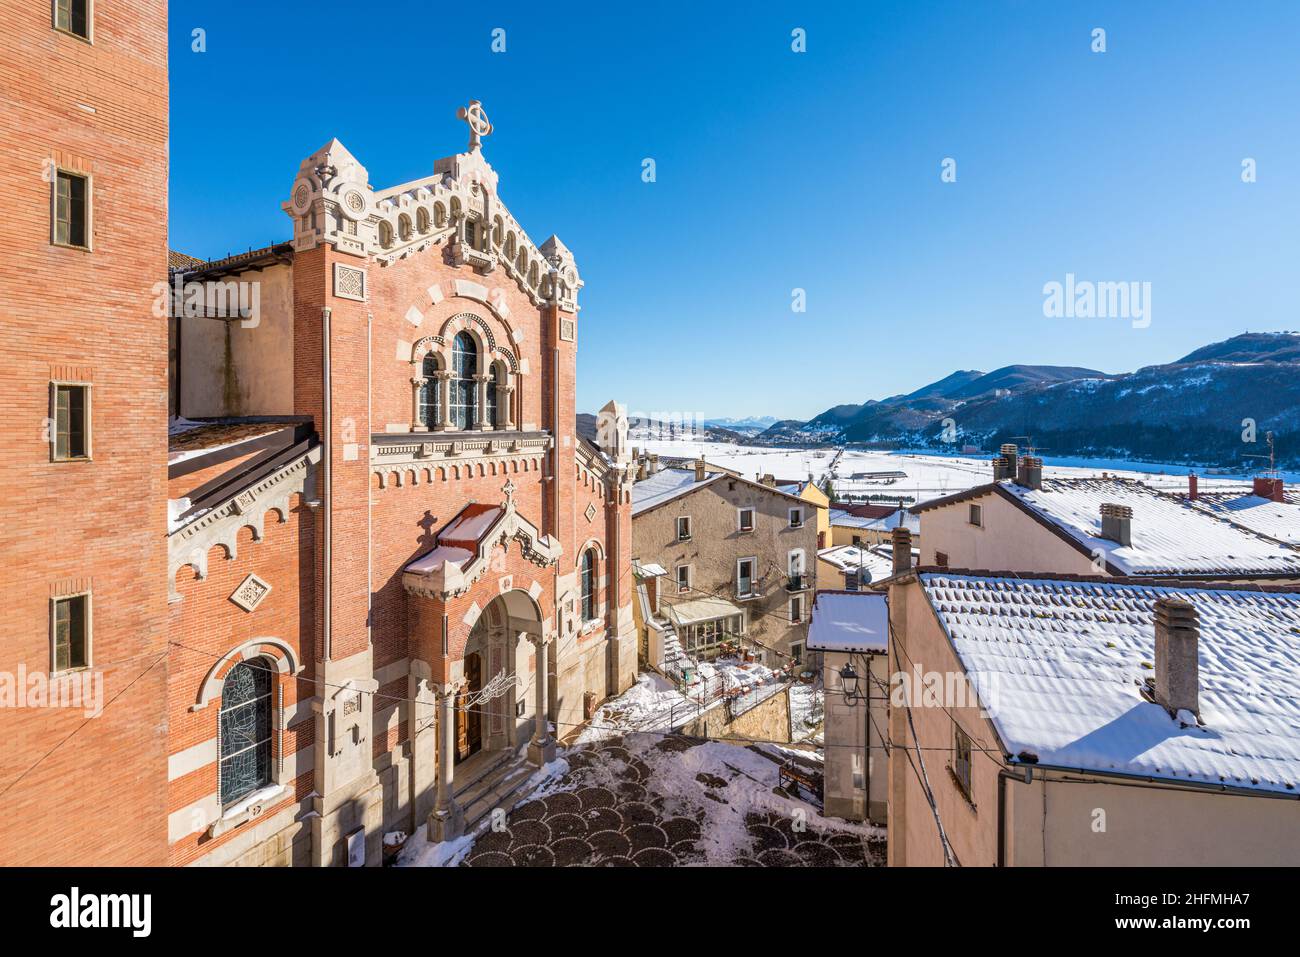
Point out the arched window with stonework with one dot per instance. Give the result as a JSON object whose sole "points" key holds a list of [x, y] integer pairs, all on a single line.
{"points": [[430, 393], [588, 584], [464, 390], [245, 728]]}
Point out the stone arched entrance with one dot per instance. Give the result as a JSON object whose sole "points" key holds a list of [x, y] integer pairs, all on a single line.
{"points": [[494, 707], [498, 688]]}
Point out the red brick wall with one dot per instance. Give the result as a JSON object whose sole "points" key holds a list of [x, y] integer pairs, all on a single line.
{"points": [[205, 625], [101, 109]]}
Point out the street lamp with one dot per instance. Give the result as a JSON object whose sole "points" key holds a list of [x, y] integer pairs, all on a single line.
{"points": [[850, 680]]}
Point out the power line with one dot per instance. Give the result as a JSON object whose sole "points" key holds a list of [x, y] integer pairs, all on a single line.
{"points": [[109, 704]]}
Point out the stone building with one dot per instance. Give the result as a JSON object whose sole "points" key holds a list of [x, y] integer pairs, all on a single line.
{"points": [[738, 559], [850, 630], [83, 382], [1109, 526], [390, 516]]}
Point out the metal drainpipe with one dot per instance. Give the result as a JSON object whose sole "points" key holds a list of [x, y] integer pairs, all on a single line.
{"points": [[370, 591], [325, 469]]}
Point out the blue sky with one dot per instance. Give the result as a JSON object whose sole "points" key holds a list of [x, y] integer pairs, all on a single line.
{"points": [[779, 170]]}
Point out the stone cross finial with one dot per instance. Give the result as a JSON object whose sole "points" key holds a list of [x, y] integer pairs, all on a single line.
{"points": [[479, 126], [509, 489]]}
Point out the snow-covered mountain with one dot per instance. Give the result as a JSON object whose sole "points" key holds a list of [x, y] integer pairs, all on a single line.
{"points": [[1200, 409]]}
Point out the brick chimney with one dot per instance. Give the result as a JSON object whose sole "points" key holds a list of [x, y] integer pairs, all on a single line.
{"points": [[1117, 523], [902, 538], [1269, 488], [1004, 467], [1030, 473], [653, 465], [1191, 487], [768, 479], [700, 472], [1177, 656]]}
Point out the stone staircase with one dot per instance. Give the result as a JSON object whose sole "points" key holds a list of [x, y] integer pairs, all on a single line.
{"points": [[496, 782]]}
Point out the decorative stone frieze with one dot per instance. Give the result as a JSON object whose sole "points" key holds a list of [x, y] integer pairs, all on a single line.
{"points": [[191, 543], [331, 202]]}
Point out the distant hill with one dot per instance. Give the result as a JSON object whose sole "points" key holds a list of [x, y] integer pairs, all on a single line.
{"points": [[1250, 347], [1189, 411], [641, 430], [751, 424]]}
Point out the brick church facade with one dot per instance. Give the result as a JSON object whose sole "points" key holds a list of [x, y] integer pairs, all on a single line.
{"points": [[387, 510], [372, 573]]}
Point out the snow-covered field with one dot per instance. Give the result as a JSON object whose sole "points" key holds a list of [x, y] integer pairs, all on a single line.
{"points": [[927, 476]]}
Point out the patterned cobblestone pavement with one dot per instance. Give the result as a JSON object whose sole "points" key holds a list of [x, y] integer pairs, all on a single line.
{"points": [[659, 802]]}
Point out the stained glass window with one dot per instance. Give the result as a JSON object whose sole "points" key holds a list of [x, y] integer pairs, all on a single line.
{"points": [[430, 394], [245, 728], [464, 390], [588, 584]]}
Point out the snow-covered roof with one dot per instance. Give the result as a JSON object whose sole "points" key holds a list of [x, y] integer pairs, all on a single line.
{"points": [[1280, 520], [430, 561], [849, 621], [664, 486], [850, 558], [899, 516], [700, 609], [1058, 665], [1170, 536], [458, 542]]}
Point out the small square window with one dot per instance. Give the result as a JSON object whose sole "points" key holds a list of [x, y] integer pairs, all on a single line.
{"points": [[70, 641], [71, 210], [70, 422], [941, 559], [977, 515], [746, 519], [796, 518], [73, 16], [683, 528]]}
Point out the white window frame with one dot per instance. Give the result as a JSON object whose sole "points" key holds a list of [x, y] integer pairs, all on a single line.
{"points": [[90, 22], [797, 600], [740, 518], [90, 632], [89, 245], [796, 517], [753, 575], [680, 536], [677, 577], [55, 385], [803, 562]]}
